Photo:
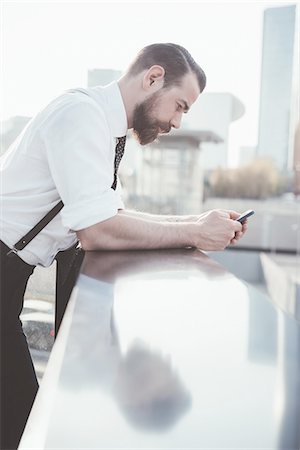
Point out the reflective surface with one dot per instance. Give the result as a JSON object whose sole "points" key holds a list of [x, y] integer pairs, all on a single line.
{"points": [[168, 350]]}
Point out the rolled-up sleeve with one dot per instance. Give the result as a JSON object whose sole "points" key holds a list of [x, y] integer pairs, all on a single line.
{"points": [[79, 152]]}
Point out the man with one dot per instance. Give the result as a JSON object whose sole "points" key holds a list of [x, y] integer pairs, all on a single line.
{"points": [[70, 152]]}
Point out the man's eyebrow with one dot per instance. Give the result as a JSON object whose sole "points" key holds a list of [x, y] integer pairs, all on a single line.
{"points": [[186, 106]]}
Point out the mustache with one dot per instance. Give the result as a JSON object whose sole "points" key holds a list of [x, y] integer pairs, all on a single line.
{"points": [[165, 129]]}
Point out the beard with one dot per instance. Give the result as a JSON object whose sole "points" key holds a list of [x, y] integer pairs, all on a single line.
{"points": [[145, 128]]}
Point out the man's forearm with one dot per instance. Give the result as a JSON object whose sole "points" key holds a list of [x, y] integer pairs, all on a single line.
{"points": [[124, 232], [157, 217]]}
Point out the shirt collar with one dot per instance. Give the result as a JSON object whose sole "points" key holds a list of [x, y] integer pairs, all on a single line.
{"points": [[114, 108]]}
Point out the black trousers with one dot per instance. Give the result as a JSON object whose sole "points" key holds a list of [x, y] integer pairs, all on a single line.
{"points": [[18, 379]]}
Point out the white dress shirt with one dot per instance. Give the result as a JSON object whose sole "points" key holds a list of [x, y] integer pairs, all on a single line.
{"points": [[66, 152]]}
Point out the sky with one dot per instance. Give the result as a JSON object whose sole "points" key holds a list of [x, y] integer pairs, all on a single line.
{"points": [[48, 47]]}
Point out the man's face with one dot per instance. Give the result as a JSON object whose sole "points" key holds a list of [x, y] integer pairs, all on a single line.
{"points": [[163, 109]]}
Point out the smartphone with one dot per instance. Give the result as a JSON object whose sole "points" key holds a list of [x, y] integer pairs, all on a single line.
{"points": [[245, 215]]}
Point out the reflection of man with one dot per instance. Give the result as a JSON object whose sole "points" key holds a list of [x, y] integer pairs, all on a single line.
{"points": [[149, 392], [142, 381], [68, 155]]}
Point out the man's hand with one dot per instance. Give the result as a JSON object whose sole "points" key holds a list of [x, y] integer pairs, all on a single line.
{"points": [[217, 229], [234, 215]]}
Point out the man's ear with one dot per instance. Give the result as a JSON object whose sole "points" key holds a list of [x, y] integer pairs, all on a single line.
{"points": [[153, 79]]}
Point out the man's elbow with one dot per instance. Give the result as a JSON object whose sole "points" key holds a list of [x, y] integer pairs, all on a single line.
{"points": [[87, 244], [97, 237]]}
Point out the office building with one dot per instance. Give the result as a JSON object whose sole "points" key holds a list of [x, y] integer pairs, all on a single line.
{"points": [[279, 86], [215, 112]]}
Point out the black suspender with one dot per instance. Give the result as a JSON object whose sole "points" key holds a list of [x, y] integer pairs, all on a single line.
{"points": [[36, 229]]}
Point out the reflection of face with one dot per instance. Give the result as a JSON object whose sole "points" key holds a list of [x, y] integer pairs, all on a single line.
{"points": [[148, 389], [163, 109]]}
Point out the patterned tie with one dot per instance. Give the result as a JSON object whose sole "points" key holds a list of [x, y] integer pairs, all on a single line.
{"points": [[120, 147]]}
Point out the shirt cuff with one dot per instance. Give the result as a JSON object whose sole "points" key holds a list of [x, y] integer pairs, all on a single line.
{"points": [[83, 214]]}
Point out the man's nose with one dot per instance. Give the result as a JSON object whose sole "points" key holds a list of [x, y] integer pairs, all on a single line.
{"points": [[176, 121]]}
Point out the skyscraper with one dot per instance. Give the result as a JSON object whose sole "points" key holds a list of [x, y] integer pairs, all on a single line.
{"points": [[279, 62]]}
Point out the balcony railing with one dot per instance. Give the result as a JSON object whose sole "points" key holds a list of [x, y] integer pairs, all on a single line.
{"points": [[168, 350]]}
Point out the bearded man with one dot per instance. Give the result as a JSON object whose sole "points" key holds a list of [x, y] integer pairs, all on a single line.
{"points": [[61, 173]]}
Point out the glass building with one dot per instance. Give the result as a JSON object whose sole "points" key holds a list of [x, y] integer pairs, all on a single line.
{"points": [[276, 123]]}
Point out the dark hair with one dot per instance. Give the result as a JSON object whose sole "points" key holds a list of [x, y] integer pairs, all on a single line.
{"points": [[175, 59]]}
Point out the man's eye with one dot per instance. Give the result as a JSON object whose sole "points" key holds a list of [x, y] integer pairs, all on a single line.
{"points": [[179, 106]]}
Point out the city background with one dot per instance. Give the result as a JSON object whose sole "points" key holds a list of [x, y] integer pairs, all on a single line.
{"points": [[238, 147]]}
